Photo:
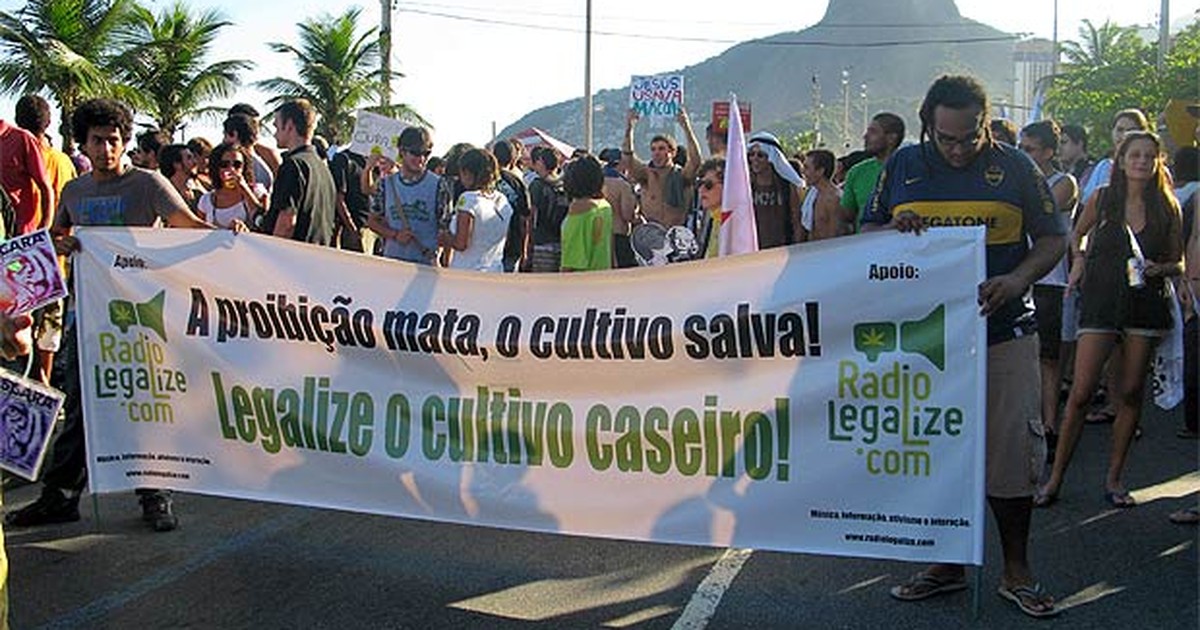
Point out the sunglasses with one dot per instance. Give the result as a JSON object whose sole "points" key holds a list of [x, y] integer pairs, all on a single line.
{"points": [[756, 154], [415, 153], [706, 184], [231, 163]]}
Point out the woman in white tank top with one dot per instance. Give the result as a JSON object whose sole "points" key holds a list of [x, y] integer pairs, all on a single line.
{"points": [[236, 198]]}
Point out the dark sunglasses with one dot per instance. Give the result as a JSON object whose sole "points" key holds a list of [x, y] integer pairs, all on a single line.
{"points": [[706, 184], [415, 153], [233, 163]]}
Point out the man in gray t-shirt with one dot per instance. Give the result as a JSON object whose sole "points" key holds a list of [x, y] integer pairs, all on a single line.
{"points": [[111, 194]]}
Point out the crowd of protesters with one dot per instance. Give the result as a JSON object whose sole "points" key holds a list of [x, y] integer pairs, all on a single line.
{"points": [[1100, 247]]}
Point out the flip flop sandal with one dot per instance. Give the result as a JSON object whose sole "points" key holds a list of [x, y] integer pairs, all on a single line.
{"points": [[1030, 600], [1120, 500], [1190, 516], [925, 585]]}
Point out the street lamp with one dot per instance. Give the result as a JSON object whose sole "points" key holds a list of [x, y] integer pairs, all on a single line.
{"points": [[845, 108], [862, 93]]}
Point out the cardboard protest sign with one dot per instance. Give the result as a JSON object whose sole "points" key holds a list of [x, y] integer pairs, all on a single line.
{"points": [[657, 98], [720, 115], [375, 134], [31, 275], [27, 414]]}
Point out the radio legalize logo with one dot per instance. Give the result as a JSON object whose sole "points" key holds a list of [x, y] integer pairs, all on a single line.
{"points": [[131, 361], [888, 408]]}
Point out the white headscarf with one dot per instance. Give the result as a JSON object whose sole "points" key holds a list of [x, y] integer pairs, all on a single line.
{"points": [[769, 144]]}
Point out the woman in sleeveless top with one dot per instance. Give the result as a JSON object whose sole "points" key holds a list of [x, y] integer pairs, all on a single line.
{"points": [[1135, 244], [236, 198]]}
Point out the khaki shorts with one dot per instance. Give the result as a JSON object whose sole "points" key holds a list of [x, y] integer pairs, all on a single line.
{"points": [[48, 326], [1016, 444]]}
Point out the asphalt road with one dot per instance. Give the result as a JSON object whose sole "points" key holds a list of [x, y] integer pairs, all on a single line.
{"points": [[238, 564]]}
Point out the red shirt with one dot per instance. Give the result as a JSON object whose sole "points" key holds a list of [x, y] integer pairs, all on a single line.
{"points": [[21, 166]]}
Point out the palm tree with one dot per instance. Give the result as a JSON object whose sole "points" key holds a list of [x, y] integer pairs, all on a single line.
{"points": [[338, 73], [164, 61], [1098, 47], [63, 47]]}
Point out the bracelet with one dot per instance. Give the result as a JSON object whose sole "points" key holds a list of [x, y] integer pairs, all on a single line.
{"points": [[624, 152]]}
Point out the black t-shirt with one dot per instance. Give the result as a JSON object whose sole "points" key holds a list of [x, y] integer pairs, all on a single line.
{"points": [[346, 168], [304, 185]]}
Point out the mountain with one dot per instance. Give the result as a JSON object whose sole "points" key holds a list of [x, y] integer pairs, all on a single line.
{"points": [[895, 47]]}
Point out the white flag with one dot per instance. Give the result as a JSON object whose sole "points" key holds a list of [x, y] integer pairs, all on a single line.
{"points": [[739, 233]]}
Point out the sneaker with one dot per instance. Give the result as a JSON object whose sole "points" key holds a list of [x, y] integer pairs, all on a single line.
{"points": [[156, 510], [50, 508]]}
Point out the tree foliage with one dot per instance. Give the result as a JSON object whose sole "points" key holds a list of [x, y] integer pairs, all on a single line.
{"points": [[337, 71], [1111, 68], [165, 62], [64, 47]]}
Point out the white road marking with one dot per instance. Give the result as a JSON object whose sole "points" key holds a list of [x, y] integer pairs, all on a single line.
{"points": [[703, 605]]}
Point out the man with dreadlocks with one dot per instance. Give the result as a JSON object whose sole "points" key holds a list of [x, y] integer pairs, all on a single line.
{"points": [[958, 175]]}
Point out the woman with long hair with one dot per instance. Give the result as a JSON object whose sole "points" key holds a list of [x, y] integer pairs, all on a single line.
{"points": [[480, 225], [236, 198], [1134, 243]]}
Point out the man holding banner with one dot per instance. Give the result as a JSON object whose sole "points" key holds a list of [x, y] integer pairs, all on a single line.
{"points": [[113, 194], [958, 176], [666, 187]]}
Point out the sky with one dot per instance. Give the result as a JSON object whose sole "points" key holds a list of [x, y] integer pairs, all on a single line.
{"points": [[472, 64]]}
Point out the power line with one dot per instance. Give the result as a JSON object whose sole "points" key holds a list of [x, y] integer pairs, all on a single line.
{"points": [[407, 7], [711, 40]]}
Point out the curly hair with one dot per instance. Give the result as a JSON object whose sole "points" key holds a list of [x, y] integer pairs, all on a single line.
{"points": [[101, 112]]}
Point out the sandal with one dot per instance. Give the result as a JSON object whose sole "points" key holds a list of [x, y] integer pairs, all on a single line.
{"points": [[1119, 499], [1044, 499], [1031, 599], [925, 585], [1190, 516]]}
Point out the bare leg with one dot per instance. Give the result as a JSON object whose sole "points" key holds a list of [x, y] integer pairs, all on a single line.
{"points": [[1138, 351], [1051, 377], [1090, 353]]}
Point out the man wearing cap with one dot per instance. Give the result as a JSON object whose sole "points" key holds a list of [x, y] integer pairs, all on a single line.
{"points": [[666, 187], [409, 202], [775, 187], [304, 199]]}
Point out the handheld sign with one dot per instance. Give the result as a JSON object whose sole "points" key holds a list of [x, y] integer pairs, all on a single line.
{"points": [[31, 275], [27, 413], [720, 115], [375, 134], [658, 98]]}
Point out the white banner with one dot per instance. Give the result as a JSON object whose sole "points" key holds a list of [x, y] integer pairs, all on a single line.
{"points": [[827, 398]]}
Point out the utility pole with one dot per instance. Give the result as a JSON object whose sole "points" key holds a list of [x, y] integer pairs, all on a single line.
{"points": [[385, 53], [1164, 33], [816, 107], [587, 81]]}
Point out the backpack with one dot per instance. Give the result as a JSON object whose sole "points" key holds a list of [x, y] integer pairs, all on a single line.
{"points": [[549, 211]]}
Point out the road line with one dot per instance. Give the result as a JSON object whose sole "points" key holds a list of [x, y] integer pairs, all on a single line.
{"points": [[703, 605], [90, 615]]}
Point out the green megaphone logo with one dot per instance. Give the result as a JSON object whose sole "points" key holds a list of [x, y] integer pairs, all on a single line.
{"points": [[926, 337], [123, 314]]}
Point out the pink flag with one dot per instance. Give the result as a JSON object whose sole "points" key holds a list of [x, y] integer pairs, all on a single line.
{"points": [[738, 233]]}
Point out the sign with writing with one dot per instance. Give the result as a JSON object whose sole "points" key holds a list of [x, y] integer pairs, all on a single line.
{"points": [[31, 275], [657, 98], [720, 116], [375, 134], [824, 398]]}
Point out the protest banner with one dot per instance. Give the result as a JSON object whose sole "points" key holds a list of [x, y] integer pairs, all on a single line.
{"points": [[824, 398], [656, 98], [720, 116], [375, 134]]}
